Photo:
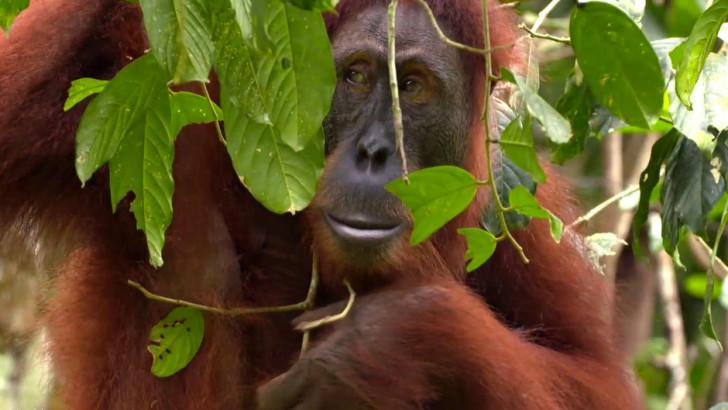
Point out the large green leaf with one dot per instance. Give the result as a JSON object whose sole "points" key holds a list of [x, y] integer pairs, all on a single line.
{"points": [[290, 86], [269, 99], [129, 126], [618, 62], [132, 125], [517, 143], [692, 187], [180, 37], [111, 115], [699, 44], [435, 196], [175, 340]]}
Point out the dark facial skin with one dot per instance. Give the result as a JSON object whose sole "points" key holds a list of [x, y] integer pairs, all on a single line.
{"points": [[361, 216]]}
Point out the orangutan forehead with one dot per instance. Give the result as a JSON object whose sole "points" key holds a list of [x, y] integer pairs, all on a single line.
{"points": [[417, 40], [368, 29]]}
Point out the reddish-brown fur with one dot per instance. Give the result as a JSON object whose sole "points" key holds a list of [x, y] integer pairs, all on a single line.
{"points": [[535, 336]]}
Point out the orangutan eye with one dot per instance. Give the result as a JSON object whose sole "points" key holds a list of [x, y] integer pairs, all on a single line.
{"points": [[356, 77], [411, 85]]}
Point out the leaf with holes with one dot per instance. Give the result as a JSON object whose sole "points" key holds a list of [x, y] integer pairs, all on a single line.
{"points": [[175, 340], [623, 72], [435, 196], [481, 245]]}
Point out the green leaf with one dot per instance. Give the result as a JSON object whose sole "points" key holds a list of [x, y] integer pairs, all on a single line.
{"points": [[435, 196], [650, 177], [82, 89], [696, 285], [555, 126], [132, 125], [699, 44], [618, 63], [190, 108], [710, 103], [720, 406], [271, 101], [577, 105], [143, 165], [129, 125], [481, 245], [664, 47], [692, 187], [8, 10], [175, 340], [180, 37], [634, 9], [290, 87], [523, 202], [110, 116], [517, 143], [507, 177], [315, 5]]}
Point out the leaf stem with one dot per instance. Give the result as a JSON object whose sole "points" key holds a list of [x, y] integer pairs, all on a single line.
{"points": [[543, 14], [545, 36], [447, 40], [306, 304], [603, 205], [487, 78], [394, 86], [307, 326], [218, 129]]}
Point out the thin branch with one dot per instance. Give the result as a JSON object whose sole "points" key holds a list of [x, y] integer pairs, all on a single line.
{"points": [[543, 14], [307, 326], [218, 129], [602, 206], [702, 252], [500, 209], [545, 36], [447, 40], [304, 305], [394, 86]]}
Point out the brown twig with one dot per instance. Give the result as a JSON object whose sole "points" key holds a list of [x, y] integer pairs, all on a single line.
{"points": [[394, 86]]}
